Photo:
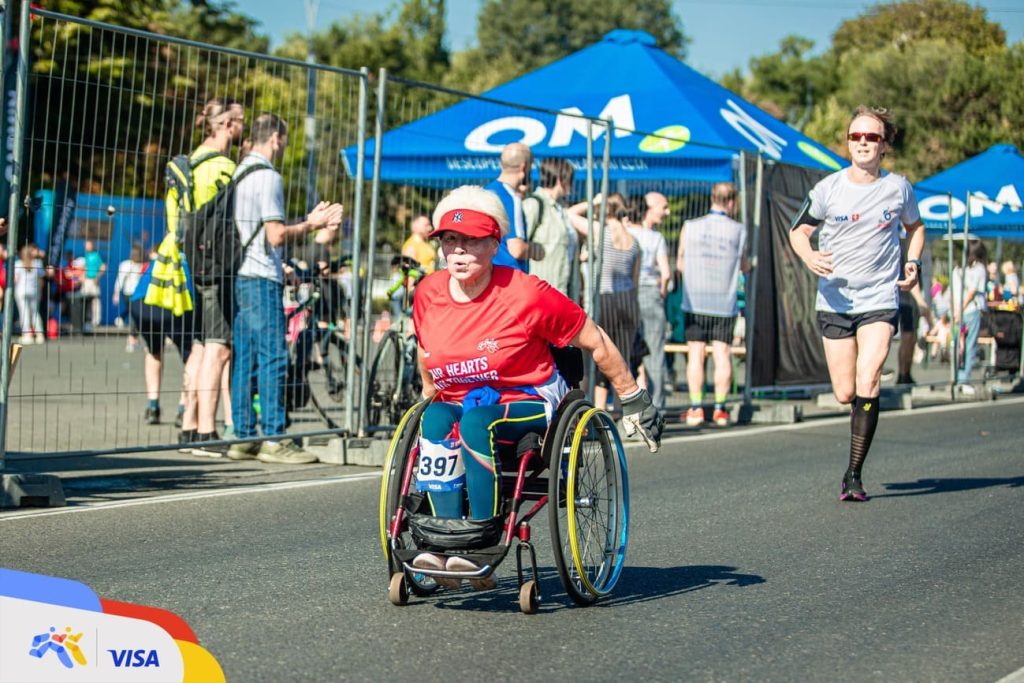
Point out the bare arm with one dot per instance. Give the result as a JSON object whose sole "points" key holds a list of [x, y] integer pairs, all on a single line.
{"points": [[593, 339], [428, 382], [665, 273], [911, 273], [680, 250], [819, 262], [324, 215]]}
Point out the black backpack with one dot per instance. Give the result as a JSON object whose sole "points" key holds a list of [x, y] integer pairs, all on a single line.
{"points": [[209, 237]]}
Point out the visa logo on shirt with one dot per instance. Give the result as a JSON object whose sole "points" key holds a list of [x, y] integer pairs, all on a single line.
{"points": [[843, 219]]}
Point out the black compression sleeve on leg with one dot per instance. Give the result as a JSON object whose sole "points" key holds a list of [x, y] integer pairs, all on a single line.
{"points": [[863, 421]]}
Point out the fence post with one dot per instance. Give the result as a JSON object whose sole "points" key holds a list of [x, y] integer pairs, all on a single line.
{"points": [[750, 309], [13, 214], [372, 248], [357, 218], [588, 289], [949, 265]]}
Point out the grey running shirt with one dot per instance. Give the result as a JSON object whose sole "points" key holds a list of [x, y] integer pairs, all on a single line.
{"points": [[652, 245], [862, 230], [713, 250], [259, 198]]}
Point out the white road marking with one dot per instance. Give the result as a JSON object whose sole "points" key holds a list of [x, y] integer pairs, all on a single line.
{"points": [[287, 485], [1016, 677], [192, 495]]}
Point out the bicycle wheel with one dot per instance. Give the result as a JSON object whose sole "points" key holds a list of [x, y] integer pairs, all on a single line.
{"points": [[589, 497], [411, 389], [382, 387], [334, 356]]}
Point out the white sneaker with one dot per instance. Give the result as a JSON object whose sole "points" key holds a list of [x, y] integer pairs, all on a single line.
{"points": [[27, 340], [40, 338], [432, 561], [967, 390], [428, 561], [457, 563]]}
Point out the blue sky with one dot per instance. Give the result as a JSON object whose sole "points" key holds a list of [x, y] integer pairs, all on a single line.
{"points": [[725, 33]]}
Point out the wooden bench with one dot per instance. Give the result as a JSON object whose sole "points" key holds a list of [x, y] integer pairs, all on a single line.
{"points": [[736, 352], [675, 347]]}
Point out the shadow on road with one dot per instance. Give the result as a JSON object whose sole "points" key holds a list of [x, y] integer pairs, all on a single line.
{"points": [[642, 584], [923, 487], [637, 585]]}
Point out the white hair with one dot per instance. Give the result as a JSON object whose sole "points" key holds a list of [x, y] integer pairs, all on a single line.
{"points": [[475, 199]]}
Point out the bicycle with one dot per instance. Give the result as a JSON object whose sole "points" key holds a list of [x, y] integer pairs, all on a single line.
{"points": [[394, 383], [318, 357]]}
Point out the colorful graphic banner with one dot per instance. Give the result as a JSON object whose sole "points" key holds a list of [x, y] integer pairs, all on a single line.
{"points": [[54, 629]]}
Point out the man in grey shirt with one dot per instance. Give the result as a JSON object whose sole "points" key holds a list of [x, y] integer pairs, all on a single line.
{"points": [[712, 253], [259, 326]]}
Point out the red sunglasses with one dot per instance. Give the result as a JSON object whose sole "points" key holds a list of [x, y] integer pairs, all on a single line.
{"points": [[870, 137]]}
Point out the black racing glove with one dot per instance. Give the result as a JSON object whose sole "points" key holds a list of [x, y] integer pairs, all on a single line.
{"points": [[639, 416]]}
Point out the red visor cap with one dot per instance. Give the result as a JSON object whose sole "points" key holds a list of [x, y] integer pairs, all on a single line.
{"points": [[469, 223]]}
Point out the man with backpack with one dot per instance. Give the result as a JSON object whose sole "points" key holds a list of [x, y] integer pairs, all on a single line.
{"points": [[548, 225], [261, 356], [210, 170]]}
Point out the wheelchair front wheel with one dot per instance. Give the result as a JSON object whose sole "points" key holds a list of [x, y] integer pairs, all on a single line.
{"points": [[588, 495]]}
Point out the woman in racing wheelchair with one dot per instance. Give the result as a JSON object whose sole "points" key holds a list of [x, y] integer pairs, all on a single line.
{"points": [[485, 338]]}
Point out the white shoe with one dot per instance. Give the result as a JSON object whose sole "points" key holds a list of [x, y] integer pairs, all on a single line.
{"points": [[428, 561], [967, 390], [432, 561], [40, 338], [27, 340]]}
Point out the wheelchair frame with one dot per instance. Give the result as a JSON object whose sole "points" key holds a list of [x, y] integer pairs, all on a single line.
{"points": [[590, 483]]}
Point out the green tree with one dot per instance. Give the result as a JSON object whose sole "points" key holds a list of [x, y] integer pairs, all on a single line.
{"points": [[518, 36], [903, 24]]}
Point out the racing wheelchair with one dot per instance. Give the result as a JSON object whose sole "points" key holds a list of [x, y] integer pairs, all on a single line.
{"points": [[577, 469]]}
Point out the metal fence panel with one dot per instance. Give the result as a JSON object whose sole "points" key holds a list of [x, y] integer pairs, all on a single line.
{"points": [[108, 107]]}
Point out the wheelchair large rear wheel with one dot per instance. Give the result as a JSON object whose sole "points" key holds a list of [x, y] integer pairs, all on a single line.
{"points": [[403, 449], [588, 499]]}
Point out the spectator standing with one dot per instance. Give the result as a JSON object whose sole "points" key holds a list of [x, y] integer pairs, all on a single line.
{"points": [[261, 356], [967, 303], [28, 276], [94, 270], [618, 307], [1011, 282], [711, 255], [511, 186], [548, 225], [418, 246], [129, 272], [860, 210], [223, 123], [655, 275]]}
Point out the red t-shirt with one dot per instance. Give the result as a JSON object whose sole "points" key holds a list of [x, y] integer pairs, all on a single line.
{"points": [[500, 339]]}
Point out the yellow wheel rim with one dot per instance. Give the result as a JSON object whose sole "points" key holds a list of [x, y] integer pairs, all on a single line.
{"points": [[386, 478], [570, 501]]}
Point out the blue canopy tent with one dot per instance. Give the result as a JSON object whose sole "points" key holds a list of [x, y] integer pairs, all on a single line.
{"points": [[994, 180], [696, 126]]}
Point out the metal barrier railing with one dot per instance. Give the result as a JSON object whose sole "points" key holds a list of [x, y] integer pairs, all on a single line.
{"points": [[114, 105]]}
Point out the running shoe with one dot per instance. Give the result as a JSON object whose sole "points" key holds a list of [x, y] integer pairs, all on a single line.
{"points": [[432, 561], [457, 563], [853, 489], [186, 437], [694, 417], [721, 418], [152, 416], [285, 452], [202, 450]]}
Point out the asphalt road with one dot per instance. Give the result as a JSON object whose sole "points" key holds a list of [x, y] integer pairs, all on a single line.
{"points": [[742, 566]]}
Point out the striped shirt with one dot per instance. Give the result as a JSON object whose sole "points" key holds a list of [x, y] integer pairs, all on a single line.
{"points": [[617, 266]]}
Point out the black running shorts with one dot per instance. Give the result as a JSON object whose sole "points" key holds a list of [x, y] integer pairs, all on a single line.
{"points": [[844, 325]]}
